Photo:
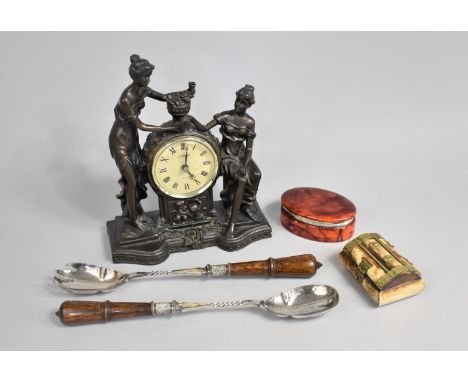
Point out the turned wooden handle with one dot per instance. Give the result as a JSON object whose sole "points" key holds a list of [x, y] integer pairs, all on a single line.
{"points": [[293, 266], [87, 312]]}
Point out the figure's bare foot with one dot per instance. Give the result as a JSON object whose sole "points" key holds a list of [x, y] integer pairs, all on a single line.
{"points": [[143, 222], [250, 211], [146, 219]]}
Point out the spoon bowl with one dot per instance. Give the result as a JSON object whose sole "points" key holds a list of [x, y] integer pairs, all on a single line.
{"points": [[302, 302], [83, 278]]}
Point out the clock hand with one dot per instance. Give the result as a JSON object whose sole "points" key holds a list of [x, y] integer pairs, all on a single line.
{"points": [[185, 168], [193, 178], [191, 175]]}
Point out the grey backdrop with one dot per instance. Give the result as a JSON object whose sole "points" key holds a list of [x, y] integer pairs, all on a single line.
{"points": [[378, 117]]}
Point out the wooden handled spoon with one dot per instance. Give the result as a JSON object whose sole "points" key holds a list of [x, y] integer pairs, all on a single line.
{"points": [[301, 302], [83, 278]]}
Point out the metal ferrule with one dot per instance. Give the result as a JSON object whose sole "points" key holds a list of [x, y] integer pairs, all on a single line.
{"points": [[165, 308], [317, 223], [219, 270]]}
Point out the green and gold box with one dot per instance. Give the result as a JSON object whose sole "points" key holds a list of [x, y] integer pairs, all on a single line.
{"points": [[384, 274]]}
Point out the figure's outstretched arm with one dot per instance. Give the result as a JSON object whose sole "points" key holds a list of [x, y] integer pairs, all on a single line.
{"points": [[143, 126], [200, 126], [197, 123], [135, 121], [157, 96]]}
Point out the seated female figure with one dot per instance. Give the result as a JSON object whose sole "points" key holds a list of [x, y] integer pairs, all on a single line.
{"points": [[238, 131]]}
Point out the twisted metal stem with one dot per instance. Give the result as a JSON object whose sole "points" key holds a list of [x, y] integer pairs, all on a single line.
{"points": [[227, 304], [158, 273]]}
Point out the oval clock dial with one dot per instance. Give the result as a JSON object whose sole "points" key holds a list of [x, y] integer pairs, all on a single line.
{"points": [[185, 167]]}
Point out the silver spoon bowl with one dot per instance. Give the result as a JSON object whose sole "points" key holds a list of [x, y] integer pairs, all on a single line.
{"points": [[83, 278], [302, 302]]}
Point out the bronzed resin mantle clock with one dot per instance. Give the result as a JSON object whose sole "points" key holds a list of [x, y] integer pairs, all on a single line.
{"points": [[182, 160]]}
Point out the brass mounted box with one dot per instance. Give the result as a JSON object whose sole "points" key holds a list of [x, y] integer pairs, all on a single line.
{"points": [[385, 275]]}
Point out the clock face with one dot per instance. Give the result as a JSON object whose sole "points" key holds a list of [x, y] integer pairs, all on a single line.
{"points": [[185, 166]]}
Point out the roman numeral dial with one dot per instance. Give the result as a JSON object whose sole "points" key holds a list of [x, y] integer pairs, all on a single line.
{"points": [[184, 166]]}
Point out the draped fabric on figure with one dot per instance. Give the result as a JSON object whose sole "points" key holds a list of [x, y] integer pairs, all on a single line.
{"points": [[238, 131], [233, 145], [124, 140], [126, 151]]}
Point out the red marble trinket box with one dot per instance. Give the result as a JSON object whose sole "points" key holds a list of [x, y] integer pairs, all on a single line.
{"points": [[318, 214]]}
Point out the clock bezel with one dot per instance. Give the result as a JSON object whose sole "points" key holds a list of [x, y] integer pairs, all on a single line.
{"points": [[207, 139]]}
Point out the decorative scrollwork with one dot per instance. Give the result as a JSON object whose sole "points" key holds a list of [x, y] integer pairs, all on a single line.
{"points": [[194, 237]]}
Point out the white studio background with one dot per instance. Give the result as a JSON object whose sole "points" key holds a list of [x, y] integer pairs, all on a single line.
{"points": [[378, 117]]}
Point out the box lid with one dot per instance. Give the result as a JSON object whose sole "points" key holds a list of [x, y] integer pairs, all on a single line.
{"points": [[371, 255], [315, 205]]}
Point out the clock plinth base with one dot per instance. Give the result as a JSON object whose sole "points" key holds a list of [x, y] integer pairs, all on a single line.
{"points": [[155, 244]]}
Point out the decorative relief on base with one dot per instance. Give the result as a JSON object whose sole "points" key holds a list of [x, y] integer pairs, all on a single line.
{"points": [[154, 245]]}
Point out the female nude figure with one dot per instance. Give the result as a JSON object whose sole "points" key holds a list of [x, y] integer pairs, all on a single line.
{"points": [[124, 142]]}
